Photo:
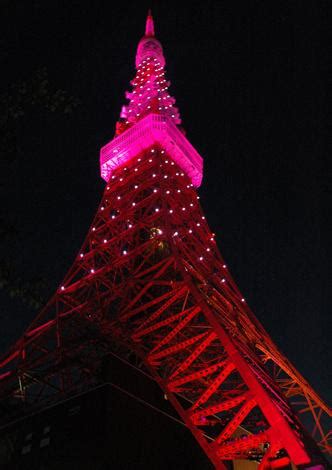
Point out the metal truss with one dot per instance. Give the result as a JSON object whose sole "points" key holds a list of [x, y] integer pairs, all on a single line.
{"points": [[149, 276]]}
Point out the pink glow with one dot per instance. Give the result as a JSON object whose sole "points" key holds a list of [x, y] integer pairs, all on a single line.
{"points": [[149, 46], [150, 117], [149, 95], [150, 87], [149, 27], [153, 129]]}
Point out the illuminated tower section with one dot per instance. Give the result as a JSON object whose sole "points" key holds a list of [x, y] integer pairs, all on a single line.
{"points": [[150, 117], [149, 278]]}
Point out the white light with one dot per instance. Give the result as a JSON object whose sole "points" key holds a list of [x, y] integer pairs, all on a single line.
{"points": [[154, 175], [92, 271], [198, 224], [139, 160], [171, 211], [102, 208], [183, 208], [113, 216], [191, 204], [190, 231], [168, 191], [81, 255], [197, 197], [242, 300], [136, 169], [118, 197], [152, 150], [108, 188], [172, 163], [135, 186], [155, 190], [62, 288], [203, 217], [162, 152], [113, 177], [179, 190], [134, 204], [201, 258], [223, 280], [208, 249], [93, 229], [157, 209], [105, 241], [165, 176], [129, 226], [175, 234], [124, 252], [224, 266], [121, 179]]}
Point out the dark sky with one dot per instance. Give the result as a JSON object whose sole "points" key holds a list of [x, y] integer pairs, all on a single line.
{"points": [[249, 79]]}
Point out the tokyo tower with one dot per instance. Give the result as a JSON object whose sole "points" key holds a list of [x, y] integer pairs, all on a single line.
{"points": [[149, 279]]}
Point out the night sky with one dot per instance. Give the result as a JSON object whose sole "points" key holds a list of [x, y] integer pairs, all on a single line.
{"points": [[249, 79]]}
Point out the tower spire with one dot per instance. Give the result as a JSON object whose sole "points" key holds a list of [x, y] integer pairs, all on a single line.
{"points": [[150, 93], [149, 46], [149, 25]]}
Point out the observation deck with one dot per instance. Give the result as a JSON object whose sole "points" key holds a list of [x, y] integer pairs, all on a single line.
{"points": [[153, 129]]}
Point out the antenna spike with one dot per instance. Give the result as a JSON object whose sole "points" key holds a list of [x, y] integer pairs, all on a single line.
{"points": [[149, 26]]}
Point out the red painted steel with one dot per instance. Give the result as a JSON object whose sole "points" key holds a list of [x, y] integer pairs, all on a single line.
{"points": [[149, 277]]}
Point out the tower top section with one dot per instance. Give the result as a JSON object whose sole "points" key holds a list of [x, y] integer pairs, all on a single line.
{"points": [[150, 88], [150, 116], [149, 46]]}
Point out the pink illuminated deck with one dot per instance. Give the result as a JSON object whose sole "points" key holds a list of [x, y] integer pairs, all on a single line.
{"points": [[153, 129]]}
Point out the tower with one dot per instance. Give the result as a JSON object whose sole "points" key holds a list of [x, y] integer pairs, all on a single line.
{"points": [[149, 278]]}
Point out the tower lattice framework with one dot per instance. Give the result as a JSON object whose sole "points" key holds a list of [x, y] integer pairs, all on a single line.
{"points": [[149, 278]]}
